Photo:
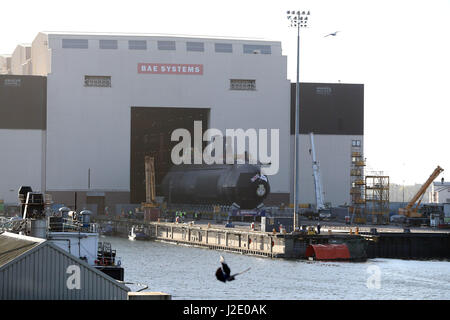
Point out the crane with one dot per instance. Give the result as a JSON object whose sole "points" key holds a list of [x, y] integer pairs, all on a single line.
{"points": [[318, 188], [410, 211], [150, 206], [150, 196]]}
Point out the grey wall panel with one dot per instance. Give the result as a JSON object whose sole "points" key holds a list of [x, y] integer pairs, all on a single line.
{"points": [[329, 108], [23, 102]]}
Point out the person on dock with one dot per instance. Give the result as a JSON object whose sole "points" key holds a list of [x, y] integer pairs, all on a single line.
{"points": [[318, 227]]}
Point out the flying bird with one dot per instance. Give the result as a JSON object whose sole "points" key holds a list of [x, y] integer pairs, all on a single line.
{"points": [[332, 34], [224, 273]]}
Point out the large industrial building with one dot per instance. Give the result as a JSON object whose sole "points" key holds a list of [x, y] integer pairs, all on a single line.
{"points": [[79, 112]]}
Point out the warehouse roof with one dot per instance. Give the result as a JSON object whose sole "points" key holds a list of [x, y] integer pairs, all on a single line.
{"points": [[13, 245], [31, 268], [132, 34]]}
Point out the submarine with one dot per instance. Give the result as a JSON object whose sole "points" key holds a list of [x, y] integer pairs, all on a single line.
{"points": [[216, 184]]}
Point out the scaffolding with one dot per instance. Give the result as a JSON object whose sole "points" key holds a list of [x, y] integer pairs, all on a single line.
{"points": [[357, 193], [377, 198]]}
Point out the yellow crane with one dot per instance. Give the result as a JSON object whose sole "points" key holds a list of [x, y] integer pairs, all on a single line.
{"points": [[410, 210], [150, 194]]}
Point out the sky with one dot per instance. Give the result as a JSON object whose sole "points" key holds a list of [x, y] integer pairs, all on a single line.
{"points": [[398, 49]]}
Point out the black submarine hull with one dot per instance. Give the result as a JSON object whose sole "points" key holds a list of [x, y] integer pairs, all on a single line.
{"points": [[242, 184]]}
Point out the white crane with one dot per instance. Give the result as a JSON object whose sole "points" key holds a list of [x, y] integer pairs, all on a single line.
{"points": [[320, 194]]}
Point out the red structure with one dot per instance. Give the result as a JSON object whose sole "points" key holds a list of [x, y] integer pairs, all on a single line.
{"points": [[328, 252]]}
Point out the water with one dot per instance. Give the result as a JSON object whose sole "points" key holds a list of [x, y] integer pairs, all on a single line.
{"points": [[188, 273]]}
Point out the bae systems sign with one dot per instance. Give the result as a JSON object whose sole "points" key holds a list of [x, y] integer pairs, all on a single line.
{"points": [[167, 68]]}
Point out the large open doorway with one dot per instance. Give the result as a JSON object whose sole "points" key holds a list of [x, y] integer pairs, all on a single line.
{"points": [[151, 129]]}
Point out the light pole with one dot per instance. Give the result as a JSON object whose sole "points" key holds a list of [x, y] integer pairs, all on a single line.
{"points": [[297, 19]]}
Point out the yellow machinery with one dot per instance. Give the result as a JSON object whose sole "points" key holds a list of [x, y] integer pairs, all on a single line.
{"points": [[410, 210], [311, 231], [150, 192]]}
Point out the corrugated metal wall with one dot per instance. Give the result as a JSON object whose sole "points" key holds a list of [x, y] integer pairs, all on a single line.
{"points": [[42, 274]]}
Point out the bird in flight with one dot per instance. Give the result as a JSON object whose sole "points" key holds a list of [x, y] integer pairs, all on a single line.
{"points": [[224, 273], [332, 34]]}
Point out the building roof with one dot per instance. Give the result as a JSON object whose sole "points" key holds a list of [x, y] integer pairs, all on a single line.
{"points": [[14, 248], [13, 245], [440, 186], [156, 35]]}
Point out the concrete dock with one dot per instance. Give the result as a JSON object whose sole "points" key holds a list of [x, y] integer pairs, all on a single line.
{"points": [[387, 242]]}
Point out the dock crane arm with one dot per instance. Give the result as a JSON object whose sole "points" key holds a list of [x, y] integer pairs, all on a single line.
{"points": [[411, 209], [318, 188]]}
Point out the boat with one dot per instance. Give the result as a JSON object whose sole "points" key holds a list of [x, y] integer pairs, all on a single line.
{"points": [[106, 229], [70, 230], [137, 233]]}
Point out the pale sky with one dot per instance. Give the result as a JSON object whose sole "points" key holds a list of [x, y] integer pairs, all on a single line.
{"points": [[399, 50]]}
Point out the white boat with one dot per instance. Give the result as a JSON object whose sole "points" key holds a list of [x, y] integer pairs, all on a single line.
{"points": [[137, 233]]}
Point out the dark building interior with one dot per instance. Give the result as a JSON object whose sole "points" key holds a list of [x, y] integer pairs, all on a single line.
{"points": [[151, 130]]}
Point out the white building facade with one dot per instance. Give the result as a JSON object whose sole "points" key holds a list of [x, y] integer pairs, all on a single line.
{"points": [[95, 81], [440, 192], [88, 127]]}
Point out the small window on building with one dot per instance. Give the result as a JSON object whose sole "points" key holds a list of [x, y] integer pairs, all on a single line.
{"points": [[137, 44], [97, 81], [12, 82], [195, 46], [324, 91], [240, 84], [75, 43], [356, 143], [223, 47], [257, 49], [108, 44], [166, 45]]}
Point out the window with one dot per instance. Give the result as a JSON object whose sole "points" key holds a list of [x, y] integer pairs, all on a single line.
{"points": [[223, 47], [356, 143], [261, 49], [137, 44], [195, 46], [240, 84], [12, 82], [97, 81], [166, 45], [324, 91], [108, 44], [75, 43]]}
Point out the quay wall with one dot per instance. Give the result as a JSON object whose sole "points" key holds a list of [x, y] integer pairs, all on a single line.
{"points": [[230, 239], [396, 245]]}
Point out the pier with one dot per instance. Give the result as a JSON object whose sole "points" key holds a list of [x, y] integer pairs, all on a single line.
{"points": [[394, 244]]}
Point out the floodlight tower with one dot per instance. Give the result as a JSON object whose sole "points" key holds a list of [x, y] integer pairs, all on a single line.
{"points": [[297, 19]]}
